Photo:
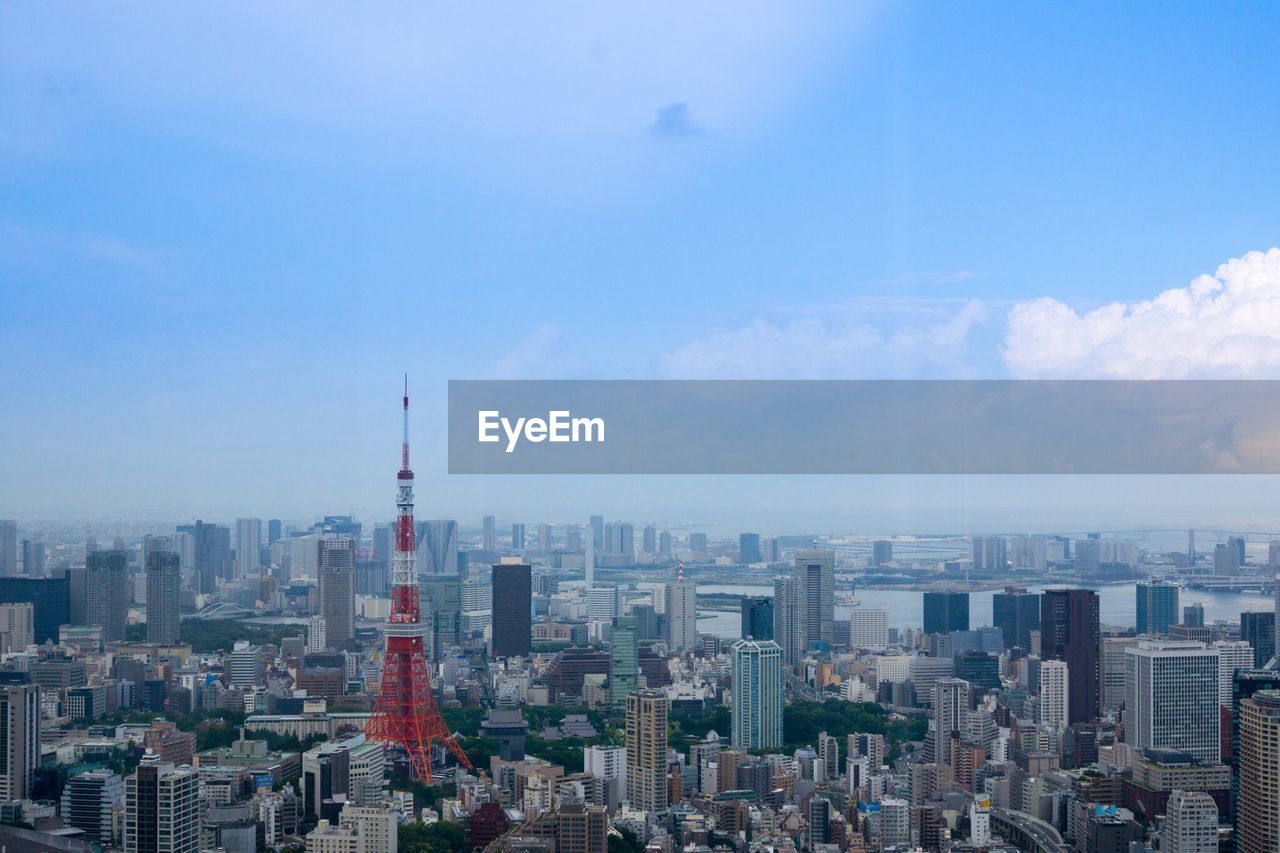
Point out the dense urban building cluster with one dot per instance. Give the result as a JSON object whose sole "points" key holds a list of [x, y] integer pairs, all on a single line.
{"points": [[208, 688]]}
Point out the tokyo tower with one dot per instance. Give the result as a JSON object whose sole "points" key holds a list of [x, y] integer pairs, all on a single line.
{"points": [[406, 714]]}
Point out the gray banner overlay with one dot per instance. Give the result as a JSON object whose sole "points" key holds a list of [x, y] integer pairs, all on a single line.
{"points": [[865, 427]]}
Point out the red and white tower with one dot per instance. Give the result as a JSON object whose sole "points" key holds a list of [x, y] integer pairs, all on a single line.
{"points": [[406, 712]]}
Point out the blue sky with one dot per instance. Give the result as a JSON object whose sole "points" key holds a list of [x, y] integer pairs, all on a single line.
{"points": [[225, 232]]}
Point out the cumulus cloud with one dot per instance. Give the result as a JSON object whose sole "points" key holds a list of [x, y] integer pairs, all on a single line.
{"points": [[1225, 325], [864, 338]]}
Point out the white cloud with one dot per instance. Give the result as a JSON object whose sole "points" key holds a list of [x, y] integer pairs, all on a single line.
{"points": [[1222, 326], [863, 338], [539, 355]]}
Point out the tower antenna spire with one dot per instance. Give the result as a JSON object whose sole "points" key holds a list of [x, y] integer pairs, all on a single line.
{"points": [[406, 715]]}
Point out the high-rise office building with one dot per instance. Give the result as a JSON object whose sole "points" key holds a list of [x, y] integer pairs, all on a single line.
{"points": [[698, 543], [488, 534], [868, 629], [1016, 613], [572, 538], [512, 602], [1070, 631], [8, 547], [1114, 670], [597, 532], [816, 586], [749, 548], [244, 665], [650, 545], [517, 537], [1244, 685], [647, 713], [50, 599], [441, 604], [211, 546], [664, 544], [33, 558], [1193, 615], [275, 529], [989, 554], [164, 585], [336, 589], [1259, 630], [248, 546], [1191, 824], [757, 618], [945, 612], [757, 694], [1257, 829], [544, 538], [161, 808], [1233, 656], [1157, 606], [608, 764], [107, 593], [1030, 553], [1171, 698], [603, 602], [437, 547], [17, 627], [19, 736], [681, 607], [624, 661], [90, 802], [1055, 689], [1226, 560], [788, 627], [881, 552]]}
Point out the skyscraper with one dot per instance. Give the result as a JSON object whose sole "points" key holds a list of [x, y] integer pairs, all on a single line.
{"points": [[647, 713], [1016, 613], [89, 803], [8, 547], [788, 629], [757, 694], [19, 736], [274, 531], [1070, 631], [1055, 690], [248, 546], [33, 558], [1257, 829], [881, 552], [488, 536], [749, 548], [336, 589], [544, 538], [816, 585], [624, 661], [517, 537], [1233, 656], [1157, 606], [945, 612], [1171, 698], [681, 603], [650, 539], [1244, 685], [211, 544], [441, 614], [437, 547], [164, 584], [1259, 631], [989, 554], [512, 603], [950, 703], [161, 808], [106, 593], [757, 618]]}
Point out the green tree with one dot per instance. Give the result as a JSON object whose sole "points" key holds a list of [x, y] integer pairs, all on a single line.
{"points": [[439, 837]]}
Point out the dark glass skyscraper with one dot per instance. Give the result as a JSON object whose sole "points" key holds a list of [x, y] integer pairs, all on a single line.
{"points": [[50, 599], [512, 601], [1070, 632], [945, 612], [749, 548], [212, 546], [1157, 606], [757, 618], [1259, 630], [1016, 613]]}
